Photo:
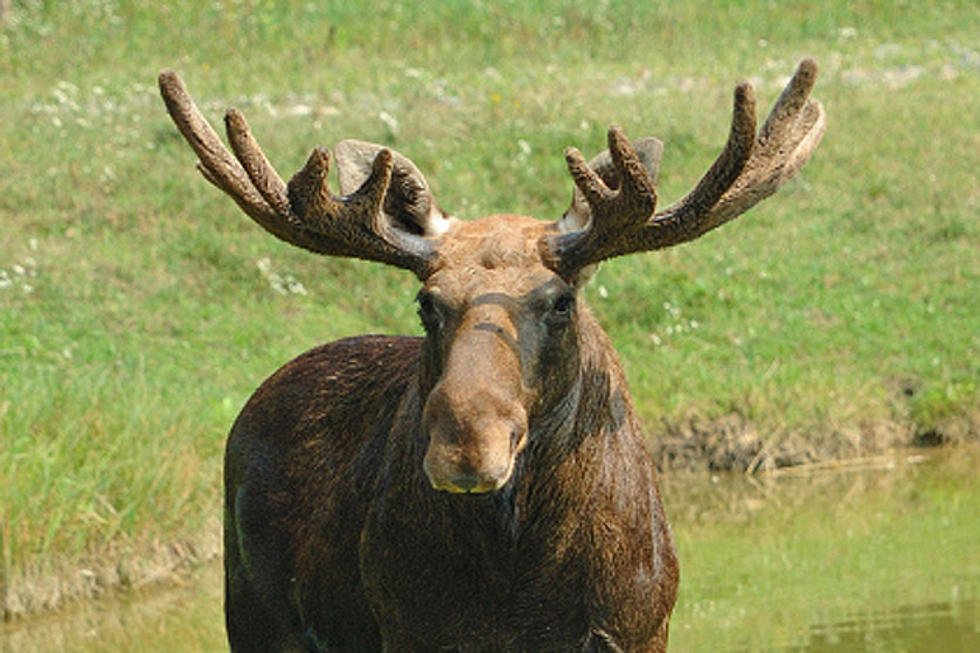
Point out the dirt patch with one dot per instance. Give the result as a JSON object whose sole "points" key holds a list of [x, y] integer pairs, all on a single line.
{"points": [[732, 443], [46, 585]]}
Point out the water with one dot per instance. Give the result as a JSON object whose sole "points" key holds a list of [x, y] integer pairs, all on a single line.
{"points": [[883, 556], [879, 556], [176, 619]]}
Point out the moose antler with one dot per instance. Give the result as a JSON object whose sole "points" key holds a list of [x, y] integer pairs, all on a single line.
{"points": [[361, 224], [621, 218]]}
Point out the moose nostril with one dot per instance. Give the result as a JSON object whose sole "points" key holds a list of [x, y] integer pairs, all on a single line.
{"points": [[517, 438]]}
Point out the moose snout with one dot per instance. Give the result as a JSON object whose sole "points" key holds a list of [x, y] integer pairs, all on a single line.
{"points": [[471, 453]]}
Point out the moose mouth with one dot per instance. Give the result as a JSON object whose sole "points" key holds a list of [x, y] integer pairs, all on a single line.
{"points": [[475, 465]]}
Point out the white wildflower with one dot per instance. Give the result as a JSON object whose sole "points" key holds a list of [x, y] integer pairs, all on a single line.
{"points": [[293, 286], [284, 285], [389, 120], [525, 149], [298, 110]]}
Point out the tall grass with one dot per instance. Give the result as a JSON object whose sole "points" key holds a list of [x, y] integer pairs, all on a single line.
{"points": [[138, 308]]}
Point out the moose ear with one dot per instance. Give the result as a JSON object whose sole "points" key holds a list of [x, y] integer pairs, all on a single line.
{"points": [[408, 204], [577, 217]]}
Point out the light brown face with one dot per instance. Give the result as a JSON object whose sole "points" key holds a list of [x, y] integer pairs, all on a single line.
{"points": [[500, 350]]}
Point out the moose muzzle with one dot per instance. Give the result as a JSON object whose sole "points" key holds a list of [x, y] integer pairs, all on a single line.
{"points": [[475, 415]]}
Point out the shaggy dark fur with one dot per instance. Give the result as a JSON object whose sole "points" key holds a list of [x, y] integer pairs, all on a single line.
{"points": [[335, 538]]}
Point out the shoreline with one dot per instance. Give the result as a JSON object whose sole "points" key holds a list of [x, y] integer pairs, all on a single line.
{"points": [[733, 444], [727, 444], [46, 587]]}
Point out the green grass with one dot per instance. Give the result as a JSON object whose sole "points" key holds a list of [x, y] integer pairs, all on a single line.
{"points": [[135, 321]]}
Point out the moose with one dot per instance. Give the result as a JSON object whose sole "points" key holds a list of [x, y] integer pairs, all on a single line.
{"points": [[485, 487]]}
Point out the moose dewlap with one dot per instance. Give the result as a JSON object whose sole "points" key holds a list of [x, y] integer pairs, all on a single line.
{"points": [[485, 487]]}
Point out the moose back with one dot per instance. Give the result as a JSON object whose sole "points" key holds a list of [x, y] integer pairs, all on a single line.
{"points": [[485, 487]]}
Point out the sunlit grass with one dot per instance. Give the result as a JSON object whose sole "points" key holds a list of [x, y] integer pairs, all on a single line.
{"points": [[138, 308]]}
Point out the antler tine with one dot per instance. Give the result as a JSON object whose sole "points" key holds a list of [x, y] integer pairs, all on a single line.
{"points": [[750, 168], [785, 143], [303, 212], [307, 190], [634, 184], [791, 100], [264, 177], [726, 168], [634, 195], [215, 162]]}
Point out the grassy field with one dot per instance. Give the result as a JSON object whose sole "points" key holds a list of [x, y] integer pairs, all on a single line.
{"points": [[139, 308]]}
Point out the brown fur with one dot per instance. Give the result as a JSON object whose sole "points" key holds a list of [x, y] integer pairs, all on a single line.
{"points": [[336, 539]]}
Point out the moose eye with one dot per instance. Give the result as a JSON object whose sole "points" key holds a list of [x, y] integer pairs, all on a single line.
{"points": [[564, 303], [561, 310]]}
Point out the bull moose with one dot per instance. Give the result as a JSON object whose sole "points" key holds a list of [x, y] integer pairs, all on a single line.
{"points": [[485, 487]]}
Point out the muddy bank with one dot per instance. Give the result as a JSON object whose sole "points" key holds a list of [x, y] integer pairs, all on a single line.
{"points": [[731, 443], [51, 584]]}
